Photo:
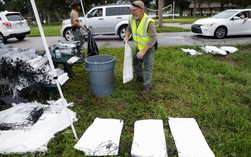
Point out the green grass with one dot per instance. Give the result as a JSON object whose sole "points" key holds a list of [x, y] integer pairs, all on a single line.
{"points": [[166, 29], [182, 20], [53, 30], [215, 90]]}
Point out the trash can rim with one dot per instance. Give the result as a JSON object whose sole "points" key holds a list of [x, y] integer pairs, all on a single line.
{"points": [[112, 60]]}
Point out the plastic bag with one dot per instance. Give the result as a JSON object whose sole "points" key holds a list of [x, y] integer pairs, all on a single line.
{"points": [[127, 70], [156, 45], [92, 46]]}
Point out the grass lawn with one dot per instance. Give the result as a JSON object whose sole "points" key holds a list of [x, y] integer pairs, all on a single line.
{"points": [[215, 90], [166, 29], [55, 30], [48, 30], [182, 20]]}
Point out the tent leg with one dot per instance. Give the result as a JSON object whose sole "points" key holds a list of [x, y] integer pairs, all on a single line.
{"points": [[34, 7]]}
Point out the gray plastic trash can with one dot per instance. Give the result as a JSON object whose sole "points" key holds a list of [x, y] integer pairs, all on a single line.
{"points": [[101, 74]]}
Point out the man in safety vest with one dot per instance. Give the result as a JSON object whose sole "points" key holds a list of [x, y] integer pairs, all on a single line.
{"points": [[143, 31]]}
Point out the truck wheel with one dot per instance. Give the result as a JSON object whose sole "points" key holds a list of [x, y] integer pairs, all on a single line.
{"points": [[68, 34], [2, 39], [122, 31]]}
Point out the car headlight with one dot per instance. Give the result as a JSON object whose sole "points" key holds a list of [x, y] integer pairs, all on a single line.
{"points": [[63, 24]]}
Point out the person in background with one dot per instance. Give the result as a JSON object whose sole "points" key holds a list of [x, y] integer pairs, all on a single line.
{"points": [[100, 13], [244, 17], [75, 25], [143, 31]]}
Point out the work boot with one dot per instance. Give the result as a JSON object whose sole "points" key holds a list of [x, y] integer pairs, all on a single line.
{"points": [[145, 91]]}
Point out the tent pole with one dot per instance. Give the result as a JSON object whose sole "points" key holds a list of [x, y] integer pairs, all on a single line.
{"points": [[83, 9], [51, 63], [82, 6]]}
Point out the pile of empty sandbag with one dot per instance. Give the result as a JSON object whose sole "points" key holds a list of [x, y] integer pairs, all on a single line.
{"points": [[223, 50]]}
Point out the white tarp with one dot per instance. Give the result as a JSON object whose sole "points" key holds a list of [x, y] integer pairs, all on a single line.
{"points": [[188, 138], [127, 69], [101, 138], [31, 138], [149, 139]]}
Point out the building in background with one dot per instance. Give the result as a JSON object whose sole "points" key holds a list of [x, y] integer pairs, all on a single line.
{"points": [[206, 9]]}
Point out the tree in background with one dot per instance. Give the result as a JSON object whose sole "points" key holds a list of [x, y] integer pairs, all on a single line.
{"points": [[222, 3], [53, 9], [2, 6], [160, 12], [180, 5], [238, 3], [48, 9], [56, 10], [22, 6]]}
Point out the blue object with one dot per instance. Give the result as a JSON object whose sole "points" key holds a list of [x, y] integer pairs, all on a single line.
{"points": [[101, 74]]}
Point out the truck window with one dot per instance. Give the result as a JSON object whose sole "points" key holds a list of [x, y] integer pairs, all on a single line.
{"points": [[113, 11]]}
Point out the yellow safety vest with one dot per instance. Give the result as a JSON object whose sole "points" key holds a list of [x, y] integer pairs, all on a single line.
{"points": [[140, 34]]}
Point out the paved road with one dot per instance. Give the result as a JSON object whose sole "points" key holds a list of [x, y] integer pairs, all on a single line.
{"points": [[164, 39]]}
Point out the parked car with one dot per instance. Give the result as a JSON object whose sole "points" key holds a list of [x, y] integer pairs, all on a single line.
{"points": [[102, 20], [12, 25], [225, 23]]}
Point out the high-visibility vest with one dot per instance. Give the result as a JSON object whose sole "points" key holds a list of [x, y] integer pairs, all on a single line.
{"points": [[140, 34]]}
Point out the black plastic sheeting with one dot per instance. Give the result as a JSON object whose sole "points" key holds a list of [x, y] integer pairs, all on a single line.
{"points": [[92, 46], [32, 118]]}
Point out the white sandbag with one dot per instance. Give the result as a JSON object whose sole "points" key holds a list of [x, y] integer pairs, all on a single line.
{"points": [[191, 51], [101, 138], [63, 78], [229, 49], [72, 60], [214, 50], [127, 69], [149, 139], [32, 138], [188, 138]]}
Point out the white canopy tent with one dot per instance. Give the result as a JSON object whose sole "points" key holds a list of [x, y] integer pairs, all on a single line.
{"points": [[64, 102]]}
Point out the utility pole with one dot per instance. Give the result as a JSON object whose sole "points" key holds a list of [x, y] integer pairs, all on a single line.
{"points": [[160, 13]]}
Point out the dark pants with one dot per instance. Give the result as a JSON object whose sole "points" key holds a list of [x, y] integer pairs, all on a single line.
{"points": [[77, 35], [143, 67]]}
